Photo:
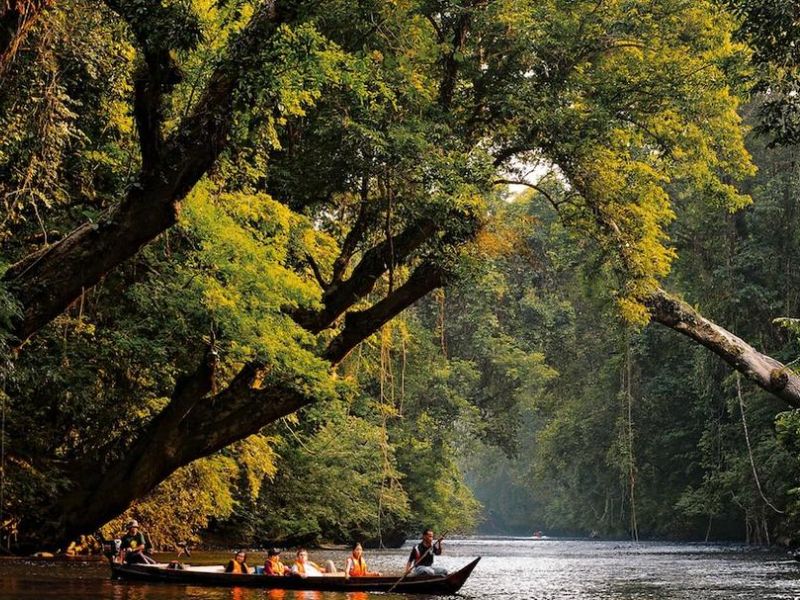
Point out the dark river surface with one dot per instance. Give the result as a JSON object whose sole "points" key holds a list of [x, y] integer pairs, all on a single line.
{"points": [[511, 568]]}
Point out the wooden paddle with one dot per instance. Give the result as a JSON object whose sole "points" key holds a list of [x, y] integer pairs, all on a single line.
{"points": [[416, 562]]}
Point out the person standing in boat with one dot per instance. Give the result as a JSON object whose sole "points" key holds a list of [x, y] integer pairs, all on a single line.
{"points": [[273, 564], [356, 566], [134, 545], [420, 562], [238, 564]]}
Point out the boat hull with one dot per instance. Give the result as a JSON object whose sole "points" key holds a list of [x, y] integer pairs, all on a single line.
{"points": [[408, 585]]}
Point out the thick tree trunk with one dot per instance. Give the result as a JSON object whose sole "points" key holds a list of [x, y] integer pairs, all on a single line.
{"points": [[763, 370], [50, 280], [173, 440], [195, 425]]}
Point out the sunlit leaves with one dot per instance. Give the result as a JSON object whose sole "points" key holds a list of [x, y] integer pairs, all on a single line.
{"points": [[248, 250]]}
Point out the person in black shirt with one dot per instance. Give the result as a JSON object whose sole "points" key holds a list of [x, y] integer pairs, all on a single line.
{"points": [[134, 545], [420, 561]]}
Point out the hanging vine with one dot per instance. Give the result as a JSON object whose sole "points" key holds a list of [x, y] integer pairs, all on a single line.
{"points": [[387, 400], [750, 448], [627, 405]]}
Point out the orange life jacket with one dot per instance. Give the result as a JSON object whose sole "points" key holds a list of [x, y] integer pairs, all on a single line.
{"points": [[238, 568], [359, 568], [274, 566]]}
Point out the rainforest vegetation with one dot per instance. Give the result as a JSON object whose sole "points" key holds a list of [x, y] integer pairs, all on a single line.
{"points": [[282, 272]]}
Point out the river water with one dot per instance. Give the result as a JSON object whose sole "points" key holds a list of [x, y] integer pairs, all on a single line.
{"points": [[511, 569]]}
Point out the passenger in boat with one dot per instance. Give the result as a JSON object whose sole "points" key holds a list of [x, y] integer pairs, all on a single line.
{"points": [[79, 547], [420, 562], [238, 564], [306, 568], [135, 545], [356, 566], [273, 564]]}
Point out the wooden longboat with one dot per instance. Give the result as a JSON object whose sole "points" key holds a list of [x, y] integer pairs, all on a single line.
{"points": [[214, 576]]}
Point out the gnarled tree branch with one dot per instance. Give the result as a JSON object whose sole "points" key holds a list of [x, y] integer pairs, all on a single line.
{"points": [[341, 296], [194, 424], [354, 236], [155, 77], [361, 324]]}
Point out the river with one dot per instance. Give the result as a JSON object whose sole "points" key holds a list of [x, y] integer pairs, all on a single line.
{"points": [[511, 569]]}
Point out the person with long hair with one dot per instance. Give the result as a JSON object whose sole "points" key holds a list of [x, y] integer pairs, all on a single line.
{"points": [[356, 566]]}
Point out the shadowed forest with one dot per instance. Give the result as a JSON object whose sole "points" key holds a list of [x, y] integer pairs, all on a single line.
{"points": [[279, 273]]}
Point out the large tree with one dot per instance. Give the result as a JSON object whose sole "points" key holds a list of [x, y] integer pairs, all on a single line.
{"points": [[385, 125]]}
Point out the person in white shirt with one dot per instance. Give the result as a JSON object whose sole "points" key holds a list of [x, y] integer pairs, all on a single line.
{"points": [[306, 568]]}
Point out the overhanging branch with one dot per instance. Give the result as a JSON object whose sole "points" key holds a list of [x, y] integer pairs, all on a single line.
{"points": [[358, 326], [49, 282], [339, 297], [766, 372]]}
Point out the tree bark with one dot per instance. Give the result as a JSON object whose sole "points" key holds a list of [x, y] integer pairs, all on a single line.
{"points": [[766, 372], [343, 294], [182, 433]]}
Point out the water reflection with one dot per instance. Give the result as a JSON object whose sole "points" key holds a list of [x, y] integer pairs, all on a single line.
{"points": [[511, 569]]}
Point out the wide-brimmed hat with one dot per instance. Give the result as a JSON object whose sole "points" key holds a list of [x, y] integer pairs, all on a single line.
{"points": [[132, 523]]}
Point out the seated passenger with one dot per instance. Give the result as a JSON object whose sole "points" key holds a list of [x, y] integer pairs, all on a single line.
{"points": [[305, 568], [356, 565], [238, 565], [135, 545], [273, 564]]}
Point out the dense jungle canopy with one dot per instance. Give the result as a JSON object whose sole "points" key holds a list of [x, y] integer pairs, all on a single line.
{"points": [[284, 272]]}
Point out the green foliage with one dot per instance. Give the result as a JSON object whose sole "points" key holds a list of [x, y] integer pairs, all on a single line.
{"points": [[772, 29], [73, 134], [692, 467], [242, 271], [180, 507], [362, 116], [9, 311], [337, 481]]}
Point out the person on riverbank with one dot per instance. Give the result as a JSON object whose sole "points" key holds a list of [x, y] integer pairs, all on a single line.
{"points": [[135, 545], [420, 561], [356, 566], [273, 564], [238, 564], [306, 568]]}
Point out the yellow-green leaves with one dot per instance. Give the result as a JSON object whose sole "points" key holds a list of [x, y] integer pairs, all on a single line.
{"points": [[250, 253], [648, 113]]}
